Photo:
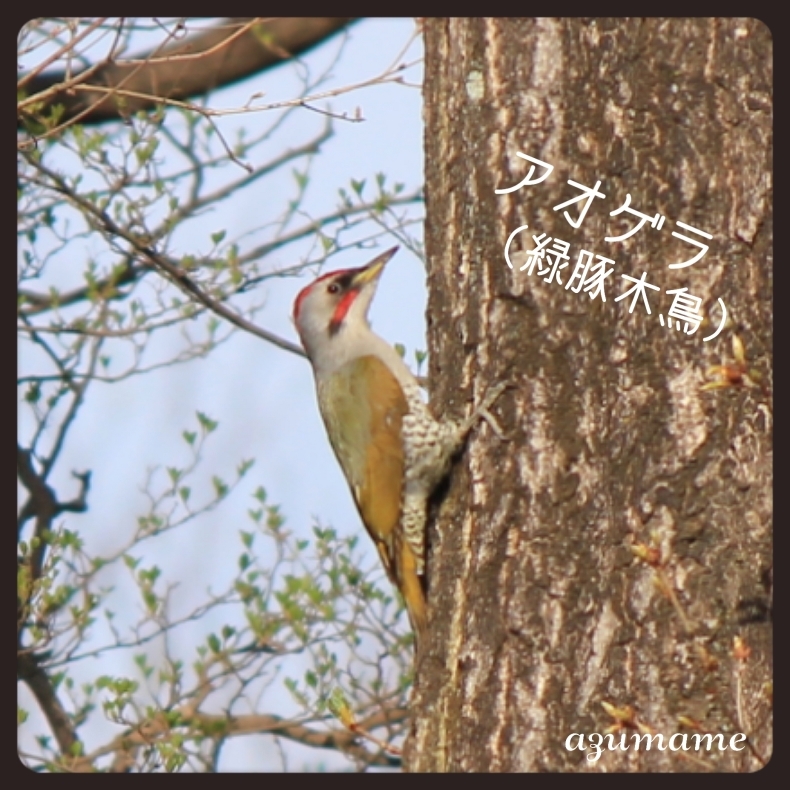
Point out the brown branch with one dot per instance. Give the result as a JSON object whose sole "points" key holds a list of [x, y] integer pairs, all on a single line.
{"points": [[42, 502], [186, 68], [29, 671], [222, 727], [44, 505]]}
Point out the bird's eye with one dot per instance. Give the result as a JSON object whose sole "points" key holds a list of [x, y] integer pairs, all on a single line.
{"points": [[333, 288]]}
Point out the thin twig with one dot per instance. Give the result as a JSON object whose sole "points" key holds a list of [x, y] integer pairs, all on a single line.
{"points": [[58, 53]]}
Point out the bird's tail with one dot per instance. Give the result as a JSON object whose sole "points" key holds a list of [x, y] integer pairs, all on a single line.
{"points": [[410, 586]]}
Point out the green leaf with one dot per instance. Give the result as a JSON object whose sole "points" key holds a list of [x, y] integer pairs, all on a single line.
{"points": [[302, 179], [339, 707], [206, 423], [150, 600], [245, 466], [273, 518], [218, 236], [33, 393], [150, 576]]}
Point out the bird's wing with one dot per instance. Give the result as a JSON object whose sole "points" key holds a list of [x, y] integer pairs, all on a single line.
{"points": [[363, 405]]}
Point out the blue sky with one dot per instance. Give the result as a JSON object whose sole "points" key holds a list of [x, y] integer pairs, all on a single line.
{"points": [[262, 397]]}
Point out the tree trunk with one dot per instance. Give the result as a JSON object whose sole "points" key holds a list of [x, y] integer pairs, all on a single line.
{"points": [[607, 567]]}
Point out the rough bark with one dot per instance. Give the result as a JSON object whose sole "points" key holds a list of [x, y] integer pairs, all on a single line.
{"points": [[617, 545], [273, 42]]}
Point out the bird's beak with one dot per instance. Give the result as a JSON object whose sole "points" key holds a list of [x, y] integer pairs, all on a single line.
{"points": [[371, 272]]}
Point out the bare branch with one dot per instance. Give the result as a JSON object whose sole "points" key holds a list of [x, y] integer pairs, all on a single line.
{"points": [[45, 507], [224, 57], [127, 273], [226, 726], [98, 211], [25, 79], [176, 275], [29, 671]]}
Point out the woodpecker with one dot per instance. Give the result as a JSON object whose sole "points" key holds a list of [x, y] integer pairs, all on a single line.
{"points": [[392, 450]]}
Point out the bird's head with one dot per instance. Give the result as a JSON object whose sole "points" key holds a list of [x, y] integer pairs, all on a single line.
{"points": [[332, 311]]}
